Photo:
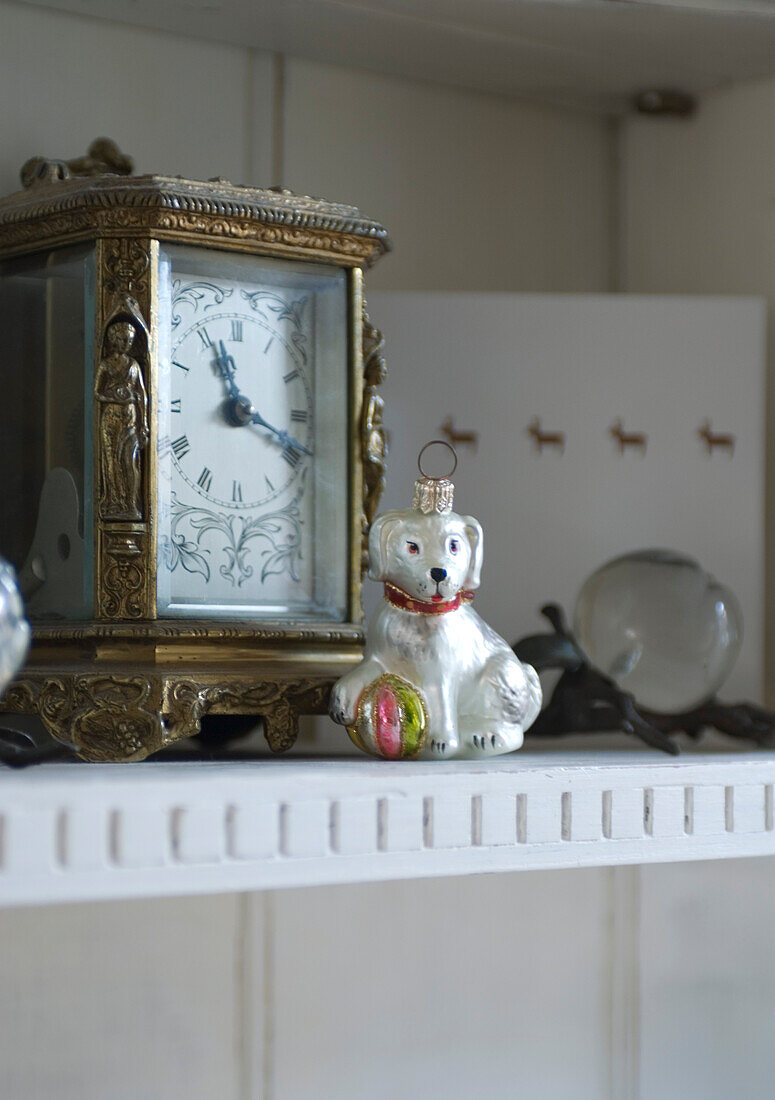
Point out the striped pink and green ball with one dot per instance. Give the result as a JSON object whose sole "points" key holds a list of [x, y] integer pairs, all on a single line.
{"points": [[391, 719]]}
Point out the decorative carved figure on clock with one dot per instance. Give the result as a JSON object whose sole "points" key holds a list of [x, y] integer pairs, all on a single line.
{"points": [[123, 423], [373, 435]]}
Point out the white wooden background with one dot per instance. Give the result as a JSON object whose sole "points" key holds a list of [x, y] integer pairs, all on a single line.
{"points": [[664, 364], [617, 984]]}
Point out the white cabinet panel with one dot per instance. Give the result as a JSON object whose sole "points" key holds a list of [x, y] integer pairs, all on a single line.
{"points": [[485, 987], [119, 1001], [707, 973], [178, 105], [479, 193]]}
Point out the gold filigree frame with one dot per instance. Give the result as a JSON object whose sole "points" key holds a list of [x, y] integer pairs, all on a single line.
{"points": [[119, 717], [216, 213], [126, 685]]}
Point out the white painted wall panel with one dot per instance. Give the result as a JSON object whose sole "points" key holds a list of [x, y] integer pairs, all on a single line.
{"points": [[479, 193], [469, 988], [698, 218], [698, 195], [178, 105], [119, 1001], [707, 974]]}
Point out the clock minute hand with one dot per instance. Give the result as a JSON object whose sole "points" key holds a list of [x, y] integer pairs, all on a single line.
{"points": [[284, 437], [289, 441]]}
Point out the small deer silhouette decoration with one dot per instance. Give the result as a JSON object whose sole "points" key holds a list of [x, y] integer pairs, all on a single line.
{"points": [[455, 437], [637, 441], [543, 439], [716, 441]]}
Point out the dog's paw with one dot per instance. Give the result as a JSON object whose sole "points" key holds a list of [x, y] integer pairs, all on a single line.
{"points": [[488, 744], [340, 707], [337, 714], [442, 748], [485, 739]]}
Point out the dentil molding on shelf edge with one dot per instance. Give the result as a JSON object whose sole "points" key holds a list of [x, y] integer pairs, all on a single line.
{"points": [[74, 832]]}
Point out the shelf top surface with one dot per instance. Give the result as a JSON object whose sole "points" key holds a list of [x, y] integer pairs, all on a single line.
{"points": [[288, 775]]}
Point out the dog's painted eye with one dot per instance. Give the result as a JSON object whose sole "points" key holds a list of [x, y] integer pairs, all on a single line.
{"points": [[413, 548], [454, 546]]}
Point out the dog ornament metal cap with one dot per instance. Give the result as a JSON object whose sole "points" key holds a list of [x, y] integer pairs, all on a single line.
{"points": [[435, 680]]}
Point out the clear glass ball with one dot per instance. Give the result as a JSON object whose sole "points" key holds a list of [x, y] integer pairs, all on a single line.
{"points": [[14, 628], [661, 628]]}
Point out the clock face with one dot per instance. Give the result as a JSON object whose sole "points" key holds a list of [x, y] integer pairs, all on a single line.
{"points": [[252, 414], [241, 416]]}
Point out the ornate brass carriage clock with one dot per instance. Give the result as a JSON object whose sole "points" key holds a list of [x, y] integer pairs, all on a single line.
{"points": [[191, 449]]}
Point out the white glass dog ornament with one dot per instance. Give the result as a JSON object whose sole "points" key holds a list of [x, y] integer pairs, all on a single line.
{"points": [[435, 680]]}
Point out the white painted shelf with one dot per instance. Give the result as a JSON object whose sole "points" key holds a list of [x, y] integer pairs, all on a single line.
{"points": [[73, 832]]}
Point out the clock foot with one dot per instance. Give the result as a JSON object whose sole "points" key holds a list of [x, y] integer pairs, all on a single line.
{"points": [[281, 727], [188, 703]]}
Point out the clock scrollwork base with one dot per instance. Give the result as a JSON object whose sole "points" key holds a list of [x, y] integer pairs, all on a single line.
{"points": [[115, 718], [101, 717]]}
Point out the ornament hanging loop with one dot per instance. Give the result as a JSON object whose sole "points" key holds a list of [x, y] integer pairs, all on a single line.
{"points": [[440, 443], [434, 494]]}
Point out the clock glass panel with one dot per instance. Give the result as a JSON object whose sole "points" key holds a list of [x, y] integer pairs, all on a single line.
{"points": [[47, 319], [253, 412]]}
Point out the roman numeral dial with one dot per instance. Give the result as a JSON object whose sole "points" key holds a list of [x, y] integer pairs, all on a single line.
{"points": [[181, 446], [238, 419]]}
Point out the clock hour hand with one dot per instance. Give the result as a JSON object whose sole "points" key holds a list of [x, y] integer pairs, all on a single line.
{"points": [[225, 364], [284, 437], [238, 408]]}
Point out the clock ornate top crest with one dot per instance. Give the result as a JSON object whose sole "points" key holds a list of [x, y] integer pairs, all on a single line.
{"points": [[192, 449]]}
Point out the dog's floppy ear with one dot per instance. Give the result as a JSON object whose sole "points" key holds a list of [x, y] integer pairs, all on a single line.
{"points": [[474, 536], [380, 532]]}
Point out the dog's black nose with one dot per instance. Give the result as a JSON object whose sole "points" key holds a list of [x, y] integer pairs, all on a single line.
{"points": [[438, 574]]}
